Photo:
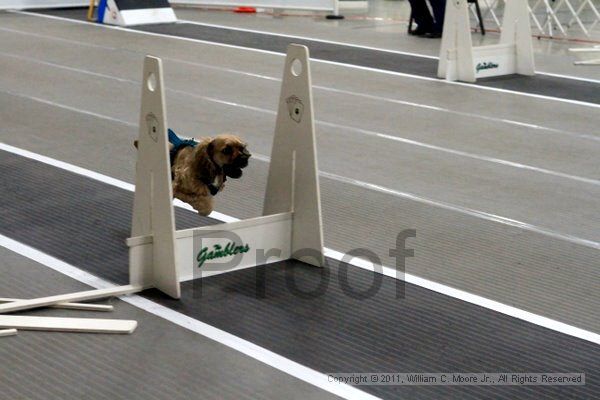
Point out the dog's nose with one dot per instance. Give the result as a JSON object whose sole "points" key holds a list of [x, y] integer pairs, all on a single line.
{"points": [[246, 153]]}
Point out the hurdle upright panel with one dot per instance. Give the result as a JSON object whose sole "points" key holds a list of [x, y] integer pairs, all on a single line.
{"points": [[293, 182], [459, 60], [291, 225], [153, 213]]}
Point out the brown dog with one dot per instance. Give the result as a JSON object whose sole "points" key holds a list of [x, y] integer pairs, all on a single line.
{"points": [[199, 172], [199, 169]]}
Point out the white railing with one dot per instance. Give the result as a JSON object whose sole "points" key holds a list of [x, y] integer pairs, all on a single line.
{"points": [[566, 18]]}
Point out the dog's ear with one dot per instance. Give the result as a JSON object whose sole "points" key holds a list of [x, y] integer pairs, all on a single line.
{"points": [[210, 149], [205, 165]]}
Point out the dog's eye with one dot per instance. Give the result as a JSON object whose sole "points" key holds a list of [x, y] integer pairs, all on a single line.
{"points": [[227, 150]]}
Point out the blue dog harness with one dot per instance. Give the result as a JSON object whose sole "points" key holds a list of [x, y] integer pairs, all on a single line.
{"points": [[179, 144]]}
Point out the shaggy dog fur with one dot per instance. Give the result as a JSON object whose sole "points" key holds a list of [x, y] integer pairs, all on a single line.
{"points": [[196, 169]]}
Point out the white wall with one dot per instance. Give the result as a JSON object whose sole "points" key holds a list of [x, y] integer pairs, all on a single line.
{"points": [[18, 4], [316, 5]]}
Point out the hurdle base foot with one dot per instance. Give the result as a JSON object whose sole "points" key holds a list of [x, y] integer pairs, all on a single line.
{"points": [[333, 16]]}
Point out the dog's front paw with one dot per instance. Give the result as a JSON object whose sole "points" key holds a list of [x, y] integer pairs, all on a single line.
{"points": [[204, 208], [204, 212]]}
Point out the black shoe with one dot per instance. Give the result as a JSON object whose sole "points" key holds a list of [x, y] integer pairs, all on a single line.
{"points": [[419, 32], [433, 35]]}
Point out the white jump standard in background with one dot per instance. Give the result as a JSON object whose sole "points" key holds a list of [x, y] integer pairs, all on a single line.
{"points": [[291, 225], [459, 60], [135, 12]]}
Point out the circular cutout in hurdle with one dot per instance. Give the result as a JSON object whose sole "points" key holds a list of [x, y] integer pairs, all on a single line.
{"points": [[296, 67], [151, 81]]}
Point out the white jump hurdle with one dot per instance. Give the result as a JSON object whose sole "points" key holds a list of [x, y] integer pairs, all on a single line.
{"points": [[134, 12], [162, 257], [459, 60]]}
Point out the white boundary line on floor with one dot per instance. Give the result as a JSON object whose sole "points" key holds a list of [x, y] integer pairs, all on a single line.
{"points": [[336, 255], [359, 131], [374, 187], [381, 71], [325, 123], [371, 186], [120, 28], [250, 349], [451, 207], [405, 53], [317, 87], [68, 108], [466, 85], [575, 78]]}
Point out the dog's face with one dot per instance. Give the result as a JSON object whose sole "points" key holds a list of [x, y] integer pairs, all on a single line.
{"points": [[230, 153]]}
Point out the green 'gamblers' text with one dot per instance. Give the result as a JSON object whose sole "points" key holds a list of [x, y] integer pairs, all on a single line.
{"points": [[486, 65], [219, 252]]}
